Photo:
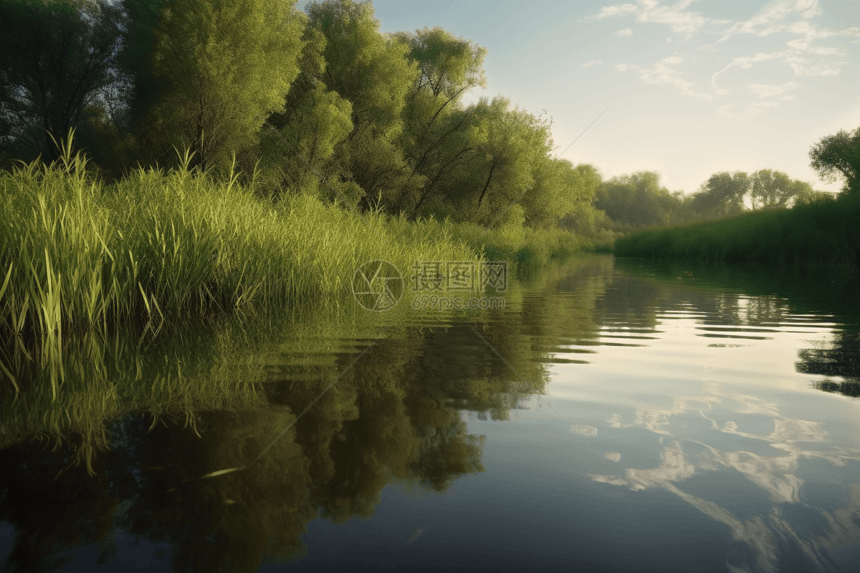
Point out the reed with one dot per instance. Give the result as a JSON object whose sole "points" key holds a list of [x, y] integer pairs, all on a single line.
{"points": [[158, 244], [820, 234], [156, 247]]}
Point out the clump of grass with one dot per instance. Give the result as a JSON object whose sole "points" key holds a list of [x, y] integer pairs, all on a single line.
{"points": [[74, 251], [812, 235]]}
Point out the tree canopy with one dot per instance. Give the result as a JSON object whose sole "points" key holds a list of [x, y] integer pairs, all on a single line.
{"points": [[838, 155]]}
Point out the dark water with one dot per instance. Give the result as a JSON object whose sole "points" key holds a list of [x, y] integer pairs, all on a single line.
{"points": [[614, 416]]}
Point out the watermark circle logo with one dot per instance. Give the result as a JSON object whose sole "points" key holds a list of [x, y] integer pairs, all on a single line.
{"points": [[377, 285]]}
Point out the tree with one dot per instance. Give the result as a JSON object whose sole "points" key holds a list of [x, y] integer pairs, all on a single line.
{"points": [[638, 200], [773, 189], [225, 65], [722, 195], [560, 189], [509, 145], [838, 155], [434, 138], [298, 144], [372, 73], [807, 195], [55, 59]]}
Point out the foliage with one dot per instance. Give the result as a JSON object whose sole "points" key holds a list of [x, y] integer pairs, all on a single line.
{"points": [[222, 67], [838, 155], [638, 200], [820, 233], [56, 60], [722, 195]]}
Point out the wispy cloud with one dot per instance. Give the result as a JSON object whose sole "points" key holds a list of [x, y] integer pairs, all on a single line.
{"points": [[592, 63], [763, 90], [624, 32], [769, 19], [807, 67], [662, 73], [674, 16], [805, 56], [651, 11], [608, 11]]}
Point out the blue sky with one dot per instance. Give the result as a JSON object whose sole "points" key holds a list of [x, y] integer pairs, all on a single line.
{"points": [[693, 87]]}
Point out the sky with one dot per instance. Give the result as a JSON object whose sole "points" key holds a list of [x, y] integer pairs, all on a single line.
{"points": [[692, 87]]}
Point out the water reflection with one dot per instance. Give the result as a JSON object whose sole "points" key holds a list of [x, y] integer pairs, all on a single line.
{"points": [[214, 448]]}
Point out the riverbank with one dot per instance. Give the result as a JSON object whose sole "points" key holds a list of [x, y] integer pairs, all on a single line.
{"points": [[818, 235], [159, 244]]}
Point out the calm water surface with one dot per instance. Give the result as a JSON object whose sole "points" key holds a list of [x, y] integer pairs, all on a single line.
{"points": [[614, 416]]}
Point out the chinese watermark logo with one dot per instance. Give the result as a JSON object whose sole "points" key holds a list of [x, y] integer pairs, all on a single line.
{"points": [[379, 285]]}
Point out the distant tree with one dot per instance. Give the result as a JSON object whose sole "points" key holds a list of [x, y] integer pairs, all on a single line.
{"points": [[56, 58], [807, 195], [638, 200], [773, 189], [838, 155], [560, 189], [722, 195]]}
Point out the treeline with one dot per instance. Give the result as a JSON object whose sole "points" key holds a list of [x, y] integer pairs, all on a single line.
{"points": [[320, 102], [816, 231], [631, 202], [316, 102]]}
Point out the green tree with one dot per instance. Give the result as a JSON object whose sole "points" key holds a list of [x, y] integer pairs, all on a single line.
{"points": [[509, 145], [722, 195], [370, 71], [638, 200], [806, 195], [298, 144], [225, 66], [773, 189], [56, 59], [434, 138], [560, 190], [838, 155]]}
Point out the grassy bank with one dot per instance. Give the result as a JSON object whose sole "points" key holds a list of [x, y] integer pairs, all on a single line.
{"points": [[76, 251], [820, 234]]}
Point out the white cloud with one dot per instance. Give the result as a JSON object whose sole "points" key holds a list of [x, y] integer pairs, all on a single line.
{"points": [[621, 67], [651, 11], [766, 21], [624, 32], [763, 90], [608, 11], [673, 16], [806, 67], [592, 63], [661, 73], [748, 61]]}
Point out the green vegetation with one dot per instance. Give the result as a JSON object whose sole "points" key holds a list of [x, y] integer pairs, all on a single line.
{"points": [[315, 102], [156, 245], [825, 233], [816, 231], [314, 143]]}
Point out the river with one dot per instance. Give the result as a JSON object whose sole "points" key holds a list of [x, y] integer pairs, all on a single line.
{"points": [[614, 415]]}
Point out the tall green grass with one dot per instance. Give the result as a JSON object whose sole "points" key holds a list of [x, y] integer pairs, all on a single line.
{"points": [[75, 251], [79, 254], [820, 234]]}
